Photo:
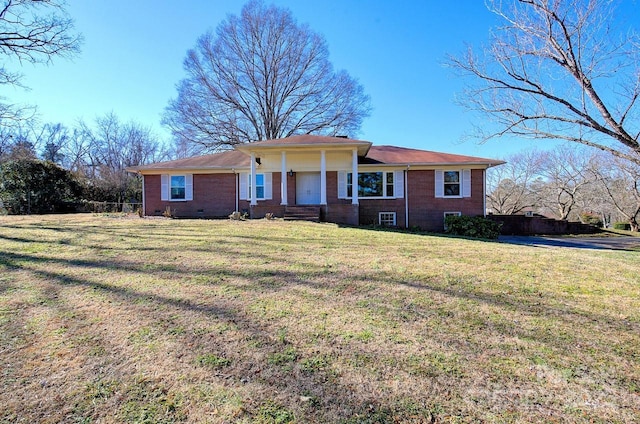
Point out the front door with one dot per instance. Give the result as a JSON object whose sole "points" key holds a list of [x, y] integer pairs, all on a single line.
{"points": [[307, 188]]}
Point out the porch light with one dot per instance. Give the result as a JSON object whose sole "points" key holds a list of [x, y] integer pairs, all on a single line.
{"points": [[291, 172]]}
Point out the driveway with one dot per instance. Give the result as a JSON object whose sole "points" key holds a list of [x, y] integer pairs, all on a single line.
{"points": [[586, 242]]}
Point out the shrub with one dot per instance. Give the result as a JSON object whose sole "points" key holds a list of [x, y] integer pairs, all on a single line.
{"points": [[591, 219], [621, 226], [32, 186], [472, 226]]}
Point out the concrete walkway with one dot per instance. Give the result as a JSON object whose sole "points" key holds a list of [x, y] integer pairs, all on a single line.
{"points": [[581, 242]]}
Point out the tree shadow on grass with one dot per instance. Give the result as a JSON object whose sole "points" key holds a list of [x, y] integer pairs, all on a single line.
{"points": [[260, 364], [321, 386]]}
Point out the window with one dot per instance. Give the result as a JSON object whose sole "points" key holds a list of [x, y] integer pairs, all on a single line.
{"points": [[390, 184], [178, 187], [387, 219], [446, 214], [372, 184], [263, 186], [452, 183], [259, 186]]}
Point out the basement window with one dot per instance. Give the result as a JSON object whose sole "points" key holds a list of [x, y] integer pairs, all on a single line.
{"points": [[446, 214], [387, 219]]}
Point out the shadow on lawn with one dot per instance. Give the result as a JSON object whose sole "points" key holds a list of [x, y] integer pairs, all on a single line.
{"points": [[322, 384]]}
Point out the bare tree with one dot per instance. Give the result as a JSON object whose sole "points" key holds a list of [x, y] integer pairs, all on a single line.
{"points": [[566, 180], [511, 186], [33, 31], [560, 70], [262, 76], [17, 141], [108, 148], [53, 138], [620, 182]]}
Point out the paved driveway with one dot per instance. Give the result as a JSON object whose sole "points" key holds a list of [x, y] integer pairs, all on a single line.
{"points": [[586, 242]]}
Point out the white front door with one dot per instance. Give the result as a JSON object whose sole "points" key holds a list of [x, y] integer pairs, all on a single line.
{"points": [[307, 188]]}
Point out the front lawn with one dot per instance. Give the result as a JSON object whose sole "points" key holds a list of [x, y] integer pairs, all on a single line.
{"points": [[110, 319]]}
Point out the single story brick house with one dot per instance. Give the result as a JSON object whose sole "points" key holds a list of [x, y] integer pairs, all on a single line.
{"points": [[395, 186]]}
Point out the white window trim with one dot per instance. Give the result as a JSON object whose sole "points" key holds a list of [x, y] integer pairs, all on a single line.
{"points": [[398, 185], [464, 181], [245, 185], [165, 187], [381, 214]]}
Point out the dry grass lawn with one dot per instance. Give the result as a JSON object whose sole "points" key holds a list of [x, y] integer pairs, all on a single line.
{"points": [[109, 319]]}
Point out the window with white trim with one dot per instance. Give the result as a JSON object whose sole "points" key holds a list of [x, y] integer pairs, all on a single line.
{"points": [[259, 187], [446, 214], [388, 219], [390, 184], [372, 184], [453, 183], [264, 189], [178, 187]]}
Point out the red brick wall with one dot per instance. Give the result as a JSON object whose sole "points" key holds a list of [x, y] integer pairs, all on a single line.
{"points": [[340, 211], [291, 189], [369, 209], [427, 212], [341, 214], [213, 196], [271, 205]]}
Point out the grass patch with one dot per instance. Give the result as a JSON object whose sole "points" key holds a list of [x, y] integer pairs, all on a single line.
{"points": [[110, 319], [213, 361]]}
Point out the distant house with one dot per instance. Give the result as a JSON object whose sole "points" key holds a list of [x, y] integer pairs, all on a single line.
{"points": [[310, 175]]}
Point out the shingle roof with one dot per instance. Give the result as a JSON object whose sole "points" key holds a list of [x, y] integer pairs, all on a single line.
{"points": [[384, 155], [393, 155], [222, 160]]}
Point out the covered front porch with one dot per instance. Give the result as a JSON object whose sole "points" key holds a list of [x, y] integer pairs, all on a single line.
{"points": [[301, 178]]}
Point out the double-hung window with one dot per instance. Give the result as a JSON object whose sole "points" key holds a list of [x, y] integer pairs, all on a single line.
{"points": [[453, 183], [263, 186], [259, 186], [389, 184], [176, 187]]}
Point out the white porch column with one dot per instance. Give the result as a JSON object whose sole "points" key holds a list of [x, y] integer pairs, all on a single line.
{"points": [[323, 178], [254, 192], [283, 178], [354, 178]]}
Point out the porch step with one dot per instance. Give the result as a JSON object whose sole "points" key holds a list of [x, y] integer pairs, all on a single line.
{"points": [[302, 213]]}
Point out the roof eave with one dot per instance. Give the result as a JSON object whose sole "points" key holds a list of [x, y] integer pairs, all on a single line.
{"points": [[431, 164], [187, 168]]}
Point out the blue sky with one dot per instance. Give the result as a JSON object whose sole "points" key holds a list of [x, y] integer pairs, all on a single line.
{"points": [[133, 51]]}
